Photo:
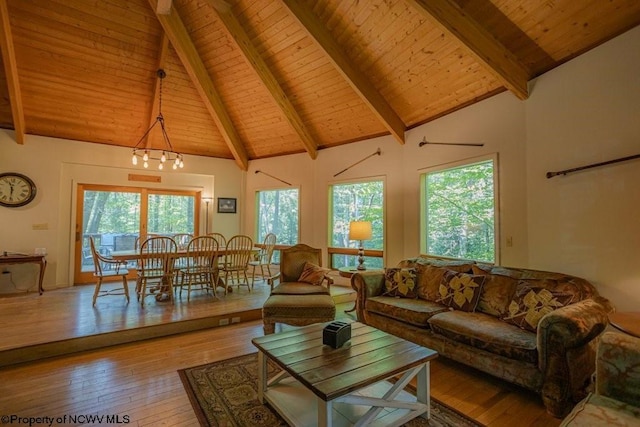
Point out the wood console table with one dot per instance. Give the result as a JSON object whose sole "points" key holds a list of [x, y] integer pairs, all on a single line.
{"points": [[626, 322], [41, 260]]}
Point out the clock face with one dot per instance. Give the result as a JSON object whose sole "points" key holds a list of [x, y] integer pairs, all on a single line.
{"points": [[16, 190]]}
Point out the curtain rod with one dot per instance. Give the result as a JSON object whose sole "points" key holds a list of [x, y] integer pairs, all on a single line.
{"points": [[566, 171], [378, 152], [278, 179]]}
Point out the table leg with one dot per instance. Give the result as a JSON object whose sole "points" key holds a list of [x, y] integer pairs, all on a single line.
{"points": [[423, 392], [43, 267], [325, 413]]}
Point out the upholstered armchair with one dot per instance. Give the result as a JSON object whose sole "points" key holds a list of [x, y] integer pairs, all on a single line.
{"points": [[291, 280], [616, 398], [300, 296]]}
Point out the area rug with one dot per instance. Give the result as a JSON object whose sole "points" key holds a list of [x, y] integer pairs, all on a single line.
{"points": [[224, 394]]}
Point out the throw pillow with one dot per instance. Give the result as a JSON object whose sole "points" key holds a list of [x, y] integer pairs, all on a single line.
{"points": [[400, 282], [430, 276], [312, 273], [531, 303], [460, 291]]}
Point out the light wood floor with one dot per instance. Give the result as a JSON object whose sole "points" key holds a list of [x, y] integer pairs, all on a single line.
{"points": [[140, 379]]}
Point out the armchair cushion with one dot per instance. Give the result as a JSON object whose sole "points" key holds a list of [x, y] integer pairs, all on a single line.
{"points": [[313, 274], [299, 288]]}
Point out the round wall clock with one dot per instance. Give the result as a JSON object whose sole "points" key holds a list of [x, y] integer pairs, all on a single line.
{"points": [[16, 189]]}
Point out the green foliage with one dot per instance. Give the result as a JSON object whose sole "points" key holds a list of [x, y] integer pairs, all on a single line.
{"points": [[278, 213], [362, 201], [459, 212]]}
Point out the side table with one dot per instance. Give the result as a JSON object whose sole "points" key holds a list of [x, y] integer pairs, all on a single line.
{"points": [[626, 322], [40, 260]]}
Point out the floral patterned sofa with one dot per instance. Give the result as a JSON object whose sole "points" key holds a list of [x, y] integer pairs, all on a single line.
{"points": [[616, 399], [533, 328]]}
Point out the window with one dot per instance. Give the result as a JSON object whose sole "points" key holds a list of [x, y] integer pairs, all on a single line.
{"points": [[116, 217], [459, 214], [363, 201], [278, 213]]}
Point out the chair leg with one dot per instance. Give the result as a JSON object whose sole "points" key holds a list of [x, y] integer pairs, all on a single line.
{"points": [[269, 327], [96, 292], [125, 285]]}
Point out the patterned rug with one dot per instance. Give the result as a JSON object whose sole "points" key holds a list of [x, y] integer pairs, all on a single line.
{"points": [[225, 394]]}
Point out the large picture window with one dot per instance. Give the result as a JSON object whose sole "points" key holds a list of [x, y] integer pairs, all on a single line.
{"points": [[361, 201], [459, 214], [277, 212]]}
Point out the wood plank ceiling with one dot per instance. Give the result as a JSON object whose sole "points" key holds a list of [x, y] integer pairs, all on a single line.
{"points": [[250, 79]]}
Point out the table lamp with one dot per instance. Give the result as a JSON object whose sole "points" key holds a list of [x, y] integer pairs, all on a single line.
{"points": [[360, 230]]}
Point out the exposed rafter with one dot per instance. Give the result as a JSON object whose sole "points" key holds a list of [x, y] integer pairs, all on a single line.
{"points": [[492, 54], [358, 81], [164, 7], [11, 71], [188, 54], [254, 59]]}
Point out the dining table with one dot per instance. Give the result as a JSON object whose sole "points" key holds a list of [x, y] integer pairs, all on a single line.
{"points": [[134, 255]]}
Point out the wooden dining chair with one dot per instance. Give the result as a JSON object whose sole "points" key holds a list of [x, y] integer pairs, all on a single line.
{"points": [[108, 268], [222, 241], [155, 268], [182, 239], [236, 260], [201, 266], [264, 258]]}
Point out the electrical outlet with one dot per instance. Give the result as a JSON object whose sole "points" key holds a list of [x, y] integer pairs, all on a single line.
{"points": [[235, 320], [223, 322]]}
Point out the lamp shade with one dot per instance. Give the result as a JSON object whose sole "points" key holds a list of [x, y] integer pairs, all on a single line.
{"points": [[360, 230]]}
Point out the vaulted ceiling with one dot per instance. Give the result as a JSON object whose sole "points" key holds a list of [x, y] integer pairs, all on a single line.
{"points": [[251, 79]]}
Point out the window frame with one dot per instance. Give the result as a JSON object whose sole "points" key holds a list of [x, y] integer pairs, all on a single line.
{"points": [[257, 212], [493, 157], [369, 252]]}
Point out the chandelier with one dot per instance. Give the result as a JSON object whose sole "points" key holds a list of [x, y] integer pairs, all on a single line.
{"points": [[165, 155]]}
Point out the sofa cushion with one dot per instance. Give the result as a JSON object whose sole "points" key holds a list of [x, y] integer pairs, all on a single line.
{"points": [[400, 282], [414, 311], [299, 288], [460, 291], [497, 292], [487, 333], [531, 303], [430, 276]]}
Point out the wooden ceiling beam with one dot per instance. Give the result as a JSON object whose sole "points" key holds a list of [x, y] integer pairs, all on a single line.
{"points": [[11, 72], [164, 7], [500, 61], [356, 79], [254, 59], [188, 54]]}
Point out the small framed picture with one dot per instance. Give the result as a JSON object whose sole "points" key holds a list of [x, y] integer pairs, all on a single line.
{"points": [[226, 205]]}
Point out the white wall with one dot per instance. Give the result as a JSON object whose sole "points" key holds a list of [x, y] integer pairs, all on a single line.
{"points": [[57, 166], [586, 111], [586, 223]]}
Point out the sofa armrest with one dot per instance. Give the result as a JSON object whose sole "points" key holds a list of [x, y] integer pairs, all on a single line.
{"points": [[618, 367], [366, 284], [566, 352], [572, 326]]}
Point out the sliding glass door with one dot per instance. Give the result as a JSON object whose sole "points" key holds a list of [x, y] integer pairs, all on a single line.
{"points": [[117, 217]]}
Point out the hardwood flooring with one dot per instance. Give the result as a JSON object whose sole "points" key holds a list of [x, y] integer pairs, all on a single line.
{"points": [[139, 380]]}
